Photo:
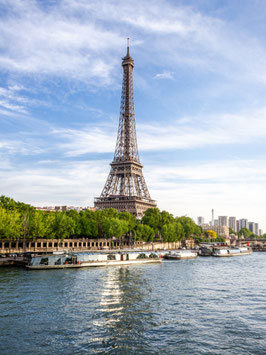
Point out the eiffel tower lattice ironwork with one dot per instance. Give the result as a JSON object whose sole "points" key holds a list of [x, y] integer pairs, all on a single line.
{"points": [[125, 188]]}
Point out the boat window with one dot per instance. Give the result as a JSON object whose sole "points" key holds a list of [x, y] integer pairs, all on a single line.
{"points": [[58, 262], [44, 261], [142, 256], [111, 257]]}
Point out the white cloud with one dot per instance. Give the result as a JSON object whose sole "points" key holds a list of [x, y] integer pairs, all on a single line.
{"points": [[232, 188], [88, 140], [11, 147], [60, 183], [186, 133], [46, 42], [164, 75], [77, 39], [179, 34]]}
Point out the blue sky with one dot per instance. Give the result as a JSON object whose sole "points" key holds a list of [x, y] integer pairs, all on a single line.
{"points": [[200, 88]]}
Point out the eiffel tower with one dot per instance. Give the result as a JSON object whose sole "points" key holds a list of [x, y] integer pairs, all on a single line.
{"points": [[125, 188]]}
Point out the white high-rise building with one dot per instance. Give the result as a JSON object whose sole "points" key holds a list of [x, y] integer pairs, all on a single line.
{"points": [[243, 223], [200, 221], [232, 223], [223, 221], [256, 228]]}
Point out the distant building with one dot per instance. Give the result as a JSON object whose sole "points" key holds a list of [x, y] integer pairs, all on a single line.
{"points": [[200, 221], [243, 223], [237, 226], [223, 221], [232, 223], [215, 223], [90, 209], [63, 208], [260, 232], [46, 208], [222, 231], [251, 227], [257, 228], [212, 223]]}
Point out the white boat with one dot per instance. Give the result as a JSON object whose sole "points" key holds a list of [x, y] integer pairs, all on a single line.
{"points": [[79, 260], [181, 254], [228, 252]]}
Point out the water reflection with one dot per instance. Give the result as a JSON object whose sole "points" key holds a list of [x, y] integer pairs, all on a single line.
{"points": [[124, 311]]}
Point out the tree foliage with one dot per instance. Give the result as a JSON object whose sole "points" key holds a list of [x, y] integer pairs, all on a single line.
{"points": [[19, 220]]}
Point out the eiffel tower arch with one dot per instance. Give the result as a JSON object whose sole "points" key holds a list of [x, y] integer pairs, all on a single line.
{"points": [[125, 188]]}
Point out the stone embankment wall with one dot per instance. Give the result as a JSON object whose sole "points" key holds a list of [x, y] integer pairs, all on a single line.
{"points": [[50, 245]]}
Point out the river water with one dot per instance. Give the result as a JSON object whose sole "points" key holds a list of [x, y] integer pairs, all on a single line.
{"points": [[201, 306]]}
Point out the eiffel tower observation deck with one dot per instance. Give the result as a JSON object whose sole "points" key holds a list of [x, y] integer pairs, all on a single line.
{"points": [[125, 188]]}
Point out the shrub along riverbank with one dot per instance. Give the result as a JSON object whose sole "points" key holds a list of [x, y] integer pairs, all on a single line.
{"points": [[19, 220]]}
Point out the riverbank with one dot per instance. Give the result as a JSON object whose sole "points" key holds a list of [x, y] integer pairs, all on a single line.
{"points": [[85, 244]]}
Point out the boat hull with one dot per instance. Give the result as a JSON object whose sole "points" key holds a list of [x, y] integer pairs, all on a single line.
{"points": [[180, 257]]}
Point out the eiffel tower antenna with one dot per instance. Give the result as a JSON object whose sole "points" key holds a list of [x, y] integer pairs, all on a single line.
{"points": [[128, 46], [125, 188]]}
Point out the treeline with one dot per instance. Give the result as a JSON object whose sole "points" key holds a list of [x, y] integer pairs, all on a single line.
{"points": [[19, 220], [247, 234]]}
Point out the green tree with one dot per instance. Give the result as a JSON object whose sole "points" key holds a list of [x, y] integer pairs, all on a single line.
{"points": [[88, 226], [144, 232], [10, 224], [245, 232], [36, 224], [113, 227]]}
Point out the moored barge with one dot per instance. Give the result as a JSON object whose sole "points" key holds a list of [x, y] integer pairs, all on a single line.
{"points": [[80, 260], [228, 252], [181, 254]]}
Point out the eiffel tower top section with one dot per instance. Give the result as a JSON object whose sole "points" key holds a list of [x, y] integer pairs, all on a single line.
{"points": [[126, 144]]}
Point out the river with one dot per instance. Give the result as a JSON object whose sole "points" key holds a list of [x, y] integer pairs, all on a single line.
{"points": [[202, 306]]}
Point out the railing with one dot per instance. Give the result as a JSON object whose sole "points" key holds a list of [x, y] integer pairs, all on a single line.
{"points": [[123, 198]]}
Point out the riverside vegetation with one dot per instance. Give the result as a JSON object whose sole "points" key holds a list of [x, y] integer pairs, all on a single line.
{"points": [[22, 221]]}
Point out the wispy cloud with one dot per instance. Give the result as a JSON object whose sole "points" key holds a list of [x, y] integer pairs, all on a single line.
{"points": [[88, 140], [186, 133], [68, 39], [164, 75], [47, 41], [194, 188], [72, 183]]}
